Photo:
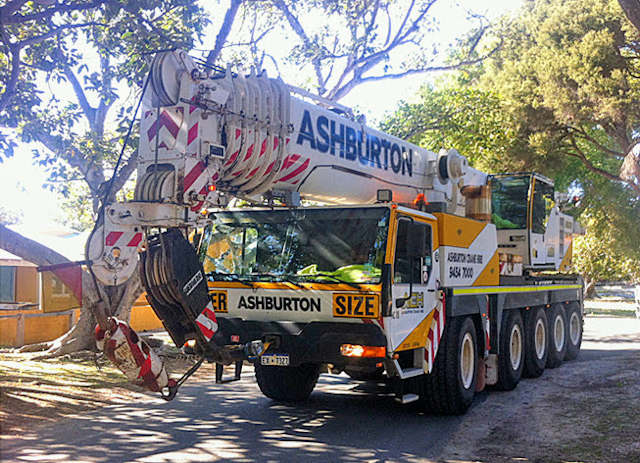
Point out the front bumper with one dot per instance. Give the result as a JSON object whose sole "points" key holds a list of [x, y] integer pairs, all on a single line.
{"points": [[313, 342]]}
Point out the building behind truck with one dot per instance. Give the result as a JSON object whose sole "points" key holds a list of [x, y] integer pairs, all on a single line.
{"points": [[418, 269]]}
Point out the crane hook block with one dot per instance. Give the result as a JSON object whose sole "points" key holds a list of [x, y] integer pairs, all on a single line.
{"points": [[177, 289], [133, 356]]}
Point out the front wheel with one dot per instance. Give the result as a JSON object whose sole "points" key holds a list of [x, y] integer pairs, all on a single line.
{"points": [[450, 387], [287, 384]]}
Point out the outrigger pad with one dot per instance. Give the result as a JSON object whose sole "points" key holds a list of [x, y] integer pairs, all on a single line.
{"points": [[176, 286]]}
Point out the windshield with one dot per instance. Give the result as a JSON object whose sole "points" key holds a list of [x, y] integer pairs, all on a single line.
{"points": [[509, 201], [326, 245]]}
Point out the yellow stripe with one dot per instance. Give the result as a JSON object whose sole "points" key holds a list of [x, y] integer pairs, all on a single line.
{"points": [[511, 289], [418, 337], [286, 285]]}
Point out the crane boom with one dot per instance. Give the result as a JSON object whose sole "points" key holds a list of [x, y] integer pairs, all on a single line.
{"points": [[207, 137]]}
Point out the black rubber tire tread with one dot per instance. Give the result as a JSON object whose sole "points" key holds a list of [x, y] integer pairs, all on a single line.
{"points": [[555, 357], [442, 391], [374, 375], [533, 366], [287, 384], [508, 378], [573, 349]]}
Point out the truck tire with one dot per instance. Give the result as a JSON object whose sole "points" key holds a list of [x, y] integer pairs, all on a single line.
{"points": [[511, 357], [287, 384], [574, 329], [557, 336], [536, 350], [450, 387]]}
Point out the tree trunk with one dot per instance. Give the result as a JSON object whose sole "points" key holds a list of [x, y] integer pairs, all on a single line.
{"points": [[632, 10], [590, 289], [116, 300]]}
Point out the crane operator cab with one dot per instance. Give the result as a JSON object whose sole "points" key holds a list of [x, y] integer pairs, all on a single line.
{"points": [[531, 228]]}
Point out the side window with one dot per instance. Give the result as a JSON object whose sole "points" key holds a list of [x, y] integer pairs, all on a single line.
{"points": [[427, 261], [7, 284], [542, 204], [405, 258]]}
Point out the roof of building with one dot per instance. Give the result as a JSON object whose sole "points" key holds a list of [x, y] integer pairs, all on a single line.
{"points": [[67, 242]]}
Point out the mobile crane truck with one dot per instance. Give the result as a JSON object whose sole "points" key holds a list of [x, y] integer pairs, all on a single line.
{"points": [[416, 269]]}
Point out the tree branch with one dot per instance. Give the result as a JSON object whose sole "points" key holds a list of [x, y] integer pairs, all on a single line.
{"points": [[579, 154], [340, 92], [27, 249], [39, 254], [632, 9], [576, 131], [105, 103], [12, 82], [91, 174], [224, 31], [8, 17], [89, 112], [299, 30], [125, 172]]}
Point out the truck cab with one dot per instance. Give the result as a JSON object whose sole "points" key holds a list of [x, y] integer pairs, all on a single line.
{"points": [[529, 221], [343, 286]]}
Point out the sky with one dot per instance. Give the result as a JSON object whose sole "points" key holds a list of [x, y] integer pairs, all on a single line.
{"points": [[21, 182]]}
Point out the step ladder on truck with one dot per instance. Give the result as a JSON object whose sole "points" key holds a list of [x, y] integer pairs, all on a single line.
{"points": [[359, 252]]}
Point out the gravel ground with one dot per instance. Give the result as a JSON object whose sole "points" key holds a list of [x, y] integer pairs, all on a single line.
{"points": [[586, 410]]}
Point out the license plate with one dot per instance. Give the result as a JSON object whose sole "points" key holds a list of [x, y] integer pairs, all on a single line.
{"points": [[280, 360]]}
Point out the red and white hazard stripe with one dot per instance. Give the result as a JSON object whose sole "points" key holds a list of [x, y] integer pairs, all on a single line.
{"points": [[119, 238], [166, 126], [435, 334], [293, 168], [207, 322]]}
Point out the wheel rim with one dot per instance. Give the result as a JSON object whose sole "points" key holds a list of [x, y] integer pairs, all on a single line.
{"points": [[515, 347], [574, 328], [558, 333], [540, 336], [467, 360]]}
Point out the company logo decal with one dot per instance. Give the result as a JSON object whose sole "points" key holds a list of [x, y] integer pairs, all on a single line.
{"points": [[354, 145], [292, 304]]}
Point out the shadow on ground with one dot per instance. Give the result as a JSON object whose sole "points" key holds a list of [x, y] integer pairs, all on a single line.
{"points": [[223, 422]]}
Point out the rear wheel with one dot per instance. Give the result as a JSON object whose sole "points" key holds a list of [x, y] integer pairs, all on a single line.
{"points": [[287, 384], [574, 329], [536, 349], [511, 358], [450, 387], [557, 340]]}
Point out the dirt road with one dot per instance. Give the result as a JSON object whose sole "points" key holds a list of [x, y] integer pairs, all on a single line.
{"points": [[587, 410]]}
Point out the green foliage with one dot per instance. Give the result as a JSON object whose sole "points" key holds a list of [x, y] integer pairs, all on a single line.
{"points": [[469, 119], [88, 50], [560, 97], [568, 73], [597, 255]]}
